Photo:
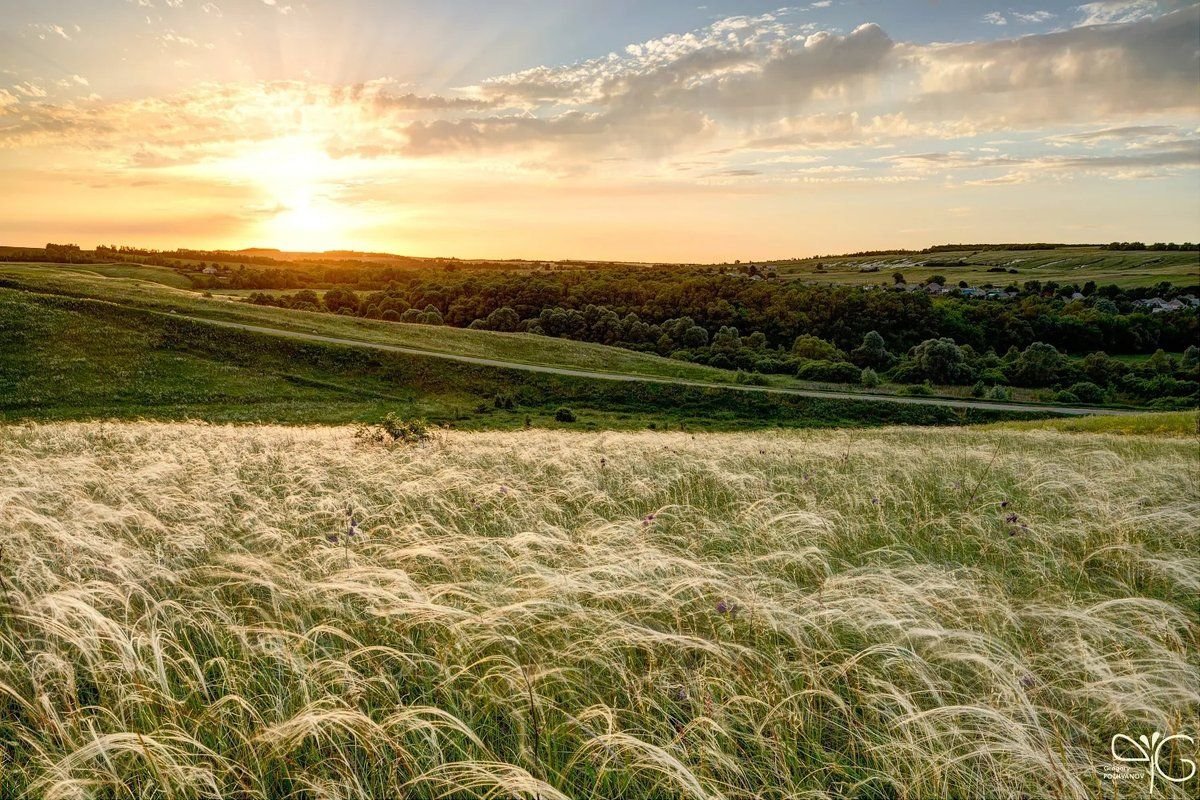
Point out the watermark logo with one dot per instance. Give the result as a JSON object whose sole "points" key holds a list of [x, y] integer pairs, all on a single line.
{"points": [[1127, 751]]}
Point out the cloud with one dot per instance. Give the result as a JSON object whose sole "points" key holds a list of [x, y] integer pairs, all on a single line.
{"points": [[1107, 12], [743, 85], [1127, 133], [1161, 159], [1071, 76], [44, 29], [995, 18], [740, 62]]}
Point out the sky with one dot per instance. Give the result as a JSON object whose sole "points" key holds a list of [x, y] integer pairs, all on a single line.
{"points": [[602, 129]]}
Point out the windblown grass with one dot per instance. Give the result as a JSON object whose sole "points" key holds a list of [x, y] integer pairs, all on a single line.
{"points": [[1162, 423], [905, 614]]}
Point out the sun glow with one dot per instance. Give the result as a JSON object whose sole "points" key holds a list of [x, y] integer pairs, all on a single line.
{"points": [[300, 185]]}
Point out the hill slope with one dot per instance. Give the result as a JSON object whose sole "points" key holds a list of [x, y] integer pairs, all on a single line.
{"points": [[910, 613], [66, 357]]}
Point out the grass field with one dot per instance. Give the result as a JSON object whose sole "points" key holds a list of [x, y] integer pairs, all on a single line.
{"points": [[1183, 424], [1074, 265], [901, 614]]}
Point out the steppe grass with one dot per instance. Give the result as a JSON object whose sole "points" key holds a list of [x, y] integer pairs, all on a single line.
{"points": [[261, 612], [1183, 424]]}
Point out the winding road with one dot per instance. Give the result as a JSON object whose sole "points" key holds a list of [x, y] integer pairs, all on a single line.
{"points": [[634, 378]]}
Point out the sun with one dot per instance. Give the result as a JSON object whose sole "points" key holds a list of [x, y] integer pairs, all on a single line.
{"points": [[299, 183]]}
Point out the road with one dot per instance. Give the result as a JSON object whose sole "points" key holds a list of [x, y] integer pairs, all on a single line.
{"points": [[614, 376]]}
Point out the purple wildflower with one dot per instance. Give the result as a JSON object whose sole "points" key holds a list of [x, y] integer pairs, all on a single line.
{"points": [[332, 538], [722, 607], [1028, 681], [1011, 519], [1004, 504], [874, 501]]}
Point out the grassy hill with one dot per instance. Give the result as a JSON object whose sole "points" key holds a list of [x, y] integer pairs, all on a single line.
{"points": [[1069, 265], [75, 358], [521, 348], [904, 614]]}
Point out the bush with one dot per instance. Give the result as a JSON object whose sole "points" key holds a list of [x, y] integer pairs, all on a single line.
{"points": [[394, 430], [564, 415], [917, 390], [828, 372], [869, 378], [1087, 392], [999, 393], [504, 402], [1066, 396]]}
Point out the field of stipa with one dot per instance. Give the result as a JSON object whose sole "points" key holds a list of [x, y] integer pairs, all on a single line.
{"points": [[195, 611]]}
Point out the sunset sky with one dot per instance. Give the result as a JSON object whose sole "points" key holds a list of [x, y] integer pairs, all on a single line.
{"points": [[611, 129]]}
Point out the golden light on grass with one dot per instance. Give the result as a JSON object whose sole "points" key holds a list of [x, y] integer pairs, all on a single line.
{"points": [[918, 613]]}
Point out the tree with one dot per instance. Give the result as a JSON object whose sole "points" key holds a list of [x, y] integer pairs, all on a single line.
{"points": [[940, 280], [727, 340], [869, 378], [898, 278], [502, 319], [815, 348], [940, 361], [694, 336], [1160, 362], [873, 352], [1039, 365]]}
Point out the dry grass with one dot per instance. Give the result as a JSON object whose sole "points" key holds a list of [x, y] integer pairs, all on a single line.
{"points": [[799, 615]]}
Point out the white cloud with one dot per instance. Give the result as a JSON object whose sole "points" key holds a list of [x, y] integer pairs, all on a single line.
{"points": [[745, 89], [1107, 12], [45, 29], [995, 18]]}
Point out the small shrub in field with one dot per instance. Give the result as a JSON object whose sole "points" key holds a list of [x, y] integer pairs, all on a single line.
{"points": [[751, 378], [869, 378], [504, 402], [394, 430], [1087, 392], [1066, 397], [564, 415], [999, 393], [917, 390]]}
